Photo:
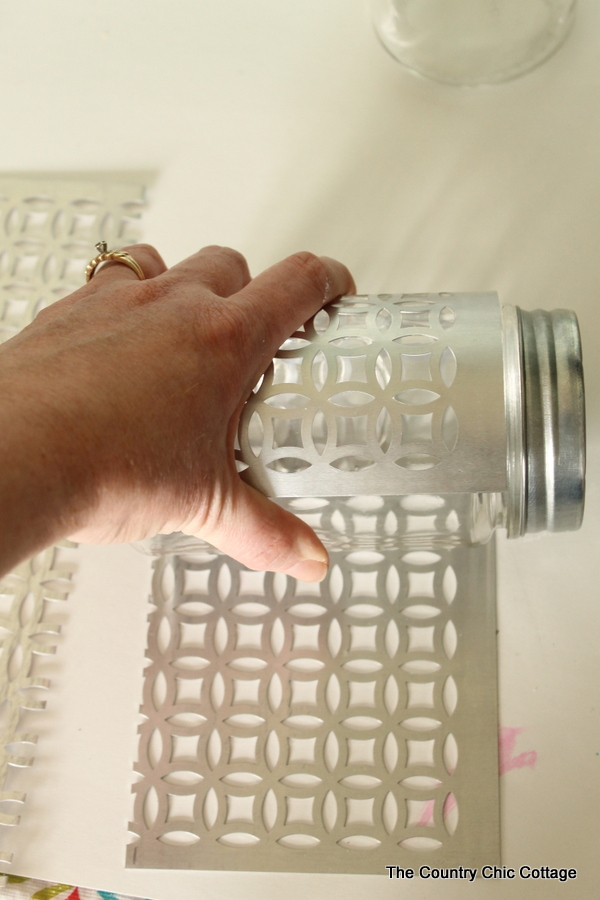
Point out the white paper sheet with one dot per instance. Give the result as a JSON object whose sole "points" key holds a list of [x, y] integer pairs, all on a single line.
{"points": [[273, 128]]}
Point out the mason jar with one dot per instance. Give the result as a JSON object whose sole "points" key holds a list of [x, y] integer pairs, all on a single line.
{"points": [[405, 420]]}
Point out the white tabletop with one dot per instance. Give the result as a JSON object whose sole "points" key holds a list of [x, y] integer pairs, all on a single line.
{"points": [[274, 127]]}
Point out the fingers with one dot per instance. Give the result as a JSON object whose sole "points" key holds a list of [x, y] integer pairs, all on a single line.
{"points": [[263, 536], [283, 297], [145, 255], [223, 270]]}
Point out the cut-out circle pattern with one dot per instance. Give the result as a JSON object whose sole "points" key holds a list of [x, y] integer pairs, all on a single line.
{"points": [[382, 393], [410, 350], [311, 727], [49, 226]]}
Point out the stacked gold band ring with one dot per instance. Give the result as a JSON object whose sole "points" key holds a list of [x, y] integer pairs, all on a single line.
{"points": [[121, 256]]}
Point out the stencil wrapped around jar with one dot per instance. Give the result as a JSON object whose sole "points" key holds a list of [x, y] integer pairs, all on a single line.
{"points": [[388, 395], [470, 415]]}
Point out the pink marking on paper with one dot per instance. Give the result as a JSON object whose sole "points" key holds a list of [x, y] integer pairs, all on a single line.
{"points": [[449, 805], [427, 814], [507, 738]]}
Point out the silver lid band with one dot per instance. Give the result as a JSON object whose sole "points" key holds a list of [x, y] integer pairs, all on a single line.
{"points": [[554, 420]]}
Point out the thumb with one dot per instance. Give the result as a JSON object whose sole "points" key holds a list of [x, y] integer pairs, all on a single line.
{"points": [[263, 536]]}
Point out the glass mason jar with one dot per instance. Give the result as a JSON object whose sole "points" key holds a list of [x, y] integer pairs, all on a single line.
{"points": [[395, 421], [472, 41]]}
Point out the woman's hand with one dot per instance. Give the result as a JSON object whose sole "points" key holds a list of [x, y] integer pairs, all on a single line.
{"points": [[119, 407]]}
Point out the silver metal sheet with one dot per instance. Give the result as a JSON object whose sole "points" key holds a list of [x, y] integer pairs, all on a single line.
{"points": [[382, 394], [28, 632], [337, 727], [50, 223]]}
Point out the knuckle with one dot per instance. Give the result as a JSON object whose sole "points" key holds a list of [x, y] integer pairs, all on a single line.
{"points": [[310, 267], [233, 257], [147, 250]]}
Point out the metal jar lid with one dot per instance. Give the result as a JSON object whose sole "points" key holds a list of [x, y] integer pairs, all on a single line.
{"points": [[545, 421]]}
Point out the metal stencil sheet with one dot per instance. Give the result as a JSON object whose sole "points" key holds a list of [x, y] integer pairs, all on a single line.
{"points": [[49, 225], [27, 633], [382, 393], [337, 727]]}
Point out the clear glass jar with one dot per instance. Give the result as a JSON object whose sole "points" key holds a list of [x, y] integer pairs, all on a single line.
{"points": [[472, 41]]}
